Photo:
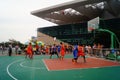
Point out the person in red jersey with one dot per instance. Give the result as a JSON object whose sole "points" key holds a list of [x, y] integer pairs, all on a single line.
{"points": [[30, 51], [37, 48], [62, 51], [81, 52]]}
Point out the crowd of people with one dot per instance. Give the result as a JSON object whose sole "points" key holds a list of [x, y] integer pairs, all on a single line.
{"points": [[58, 49], [61, 49]]}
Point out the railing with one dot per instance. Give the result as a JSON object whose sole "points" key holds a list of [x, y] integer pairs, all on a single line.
{"points": [[107, 53]]}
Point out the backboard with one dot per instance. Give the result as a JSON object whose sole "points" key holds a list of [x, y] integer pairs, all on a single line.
{"points": [[93, 24]]}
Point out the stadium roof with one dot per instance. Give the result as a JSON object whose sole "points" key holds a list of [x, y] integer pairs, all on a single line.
{"points": [[80, 11]]}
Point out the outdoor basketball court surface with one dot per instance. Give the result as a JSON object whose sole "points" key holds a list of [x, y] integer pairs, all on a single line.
{"points": [[43, 68]]}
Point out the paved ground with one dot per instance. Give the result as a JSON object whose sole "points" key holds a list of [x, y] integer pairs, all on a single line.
{"points": [[19, 68]]}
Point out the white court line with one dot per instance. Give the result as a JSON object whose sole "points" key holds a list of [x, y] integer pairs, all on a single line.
{"points": [[83, 68], [9, 71], [105, 59], [21, 64], [45, 64]]}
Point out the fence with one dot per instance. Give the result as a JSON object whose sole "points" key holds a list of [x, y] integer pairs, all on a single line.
{"points": [[107, 53]]}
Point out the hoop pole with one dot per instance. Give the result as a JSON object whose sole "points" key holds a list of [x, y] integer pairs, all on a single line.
{"points": [[112, 36]]}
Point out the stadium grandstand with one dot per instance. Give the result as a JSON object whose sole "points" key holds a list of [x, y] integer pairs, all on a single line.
{"points": [[72, 18]]}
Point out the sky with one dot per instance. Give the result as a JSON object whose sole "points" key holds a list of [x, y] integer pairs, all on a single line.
{"points": [[16, 21]]}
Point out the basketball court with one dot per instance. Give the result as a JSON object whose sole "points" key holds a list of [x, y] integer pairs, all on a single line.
{"points": [[43, 68], [66, 64]]}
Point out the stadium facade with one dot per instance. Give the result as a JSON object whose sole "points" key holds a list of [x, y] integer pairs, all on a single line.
{"points": [[72, 18]]}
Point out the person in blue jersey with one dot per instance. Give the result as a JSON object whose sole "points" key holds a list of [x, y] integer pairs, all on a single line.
{"points": [[54, 51], [58, 49], [75, 54]]}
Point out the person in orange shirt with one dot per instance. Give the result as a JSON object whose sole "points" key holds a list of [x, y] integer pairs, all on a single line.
{"points": [[37, 48], [47, 50], [62, 51], [81, 52], [30, 51]]}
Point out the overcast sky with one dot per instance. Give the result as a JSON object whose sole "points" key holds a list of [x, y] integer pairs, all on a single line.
{"points": [[17, 23]]}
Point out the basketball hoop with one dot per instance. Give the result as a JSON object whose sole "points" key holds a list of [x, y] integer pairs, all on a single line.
{"points": [[90, 29], [93, 24]]}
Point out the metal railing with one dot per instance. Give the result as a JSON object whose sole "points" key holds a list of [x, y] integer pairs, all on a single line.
{"points": [[107, 53]]}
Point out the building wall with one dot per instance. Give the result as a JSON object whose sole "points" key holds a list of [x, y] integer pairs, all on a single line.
{"points": [[77, 33]]}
